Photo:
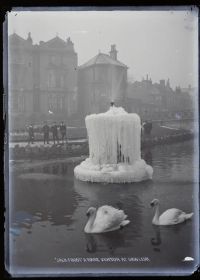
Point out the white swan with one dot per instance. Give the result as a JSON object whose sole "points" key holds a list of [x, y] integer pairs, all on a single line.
{"points": [[171, 216], [106, 218]]}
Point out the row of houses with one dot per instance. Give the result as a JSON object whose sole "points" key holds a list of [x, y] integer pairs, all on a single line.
{"points": [[157, 101], [47, 84]]}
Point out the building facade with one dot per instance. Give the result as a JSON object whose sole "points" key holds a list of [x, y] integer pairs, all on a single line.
{"points": [[101, 80], [42, 80], [158, 100], [46, 84]]}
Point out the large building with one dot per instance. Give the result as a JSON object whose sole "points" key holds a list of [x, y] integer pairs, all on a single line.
{"points": [[42, 80], [45, 83], [101, 80], [158, 100]]}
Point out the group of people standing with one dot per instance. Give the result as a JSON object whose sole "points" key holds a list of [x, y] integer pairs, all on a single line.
{"points": [[55, 130], [58, 132]]}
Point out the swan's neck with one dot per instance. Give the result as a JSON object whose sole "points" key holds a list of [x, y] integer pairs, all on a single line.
{"points": [[90, 223], [156, 216]]}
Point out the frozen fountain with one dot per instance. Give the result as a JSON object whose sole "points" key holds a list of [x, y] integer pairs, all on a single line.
{"points": [[114, 149]]}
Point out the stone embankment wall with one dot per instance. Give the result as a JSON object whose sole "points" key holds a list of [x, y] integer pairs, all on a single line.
{"points": [[41, 151]]}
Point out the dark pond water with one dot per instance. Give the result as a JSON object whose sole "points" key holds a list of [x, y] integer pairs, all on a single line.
{"points": [[47, 218]]}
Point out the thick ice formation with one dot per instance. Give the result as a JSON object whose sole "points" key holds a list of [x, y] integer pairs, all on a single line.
{"points": [[114, 149]]}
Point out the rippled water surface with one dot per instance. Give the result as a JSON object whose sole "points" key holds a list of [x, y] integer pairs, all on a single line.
{"points": [[47, 217]]}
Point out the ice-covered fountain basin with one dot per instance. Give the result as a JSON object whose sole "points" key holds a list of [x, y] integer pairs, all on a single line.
{"points": [[114, 149], [113, 173]]}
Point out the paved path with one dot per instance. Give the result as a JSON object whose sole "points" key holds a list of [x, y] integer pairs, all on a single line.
{"points": [[38, 143]]}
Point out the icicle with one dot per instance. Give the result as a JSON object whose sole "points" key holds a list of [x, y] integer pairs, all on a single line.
{"points": [[114, 149], [114, 136]]}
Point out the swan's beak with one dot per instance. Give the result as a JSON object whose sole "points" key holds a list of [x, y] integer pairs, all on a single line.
{"points": [[152, 204]]}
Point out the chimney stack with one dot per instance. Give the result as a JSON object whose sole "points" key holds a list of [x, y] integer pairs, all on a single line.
{"points": [[162, 83], [29, 39], [113, 52]]}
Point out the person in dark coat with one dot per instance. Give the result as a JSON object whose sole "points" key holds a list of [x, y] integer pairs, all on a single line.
{"points": [[63, 131], [46, 133], [147, 126], [54, 130], [31, 134]]}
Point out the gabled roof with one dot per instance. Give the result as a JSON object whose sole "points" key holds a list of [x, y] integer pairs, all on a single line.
{"points": [[56, 42], [102, 59], [16, 39]]}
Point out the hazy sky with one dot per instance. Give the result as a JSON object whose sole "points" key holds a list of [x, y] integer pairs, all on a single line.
{"points": [[162, 44]]}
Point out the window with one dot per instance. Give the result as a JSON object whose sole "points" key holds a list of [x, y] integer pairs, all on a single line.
{"points": [[50, 106], [52, 103], [60, 104], [57, 81], [17, 103], [53, 59], [13, 104], [62, 82], [14, 78], [21, 103], [51, 79], [56, 103]]}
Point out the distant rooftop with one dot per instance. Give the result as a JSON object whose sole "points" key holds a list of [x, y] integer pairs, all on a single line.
{"points": [[102, 59], [15, 38], [55, 42]]}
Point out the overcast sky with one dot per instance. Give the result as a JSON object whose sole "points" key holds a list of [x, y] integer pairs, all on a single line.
{"points": [[162, 44]]}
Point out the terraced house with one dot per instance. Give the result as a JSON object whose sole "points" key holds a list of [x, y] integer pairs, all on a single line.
{"points": [[42, 80]]}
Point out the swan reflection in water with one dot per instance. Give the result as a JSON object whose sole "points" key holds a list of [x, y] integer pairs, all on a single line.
{"points": [[156, 241], [106, 242]]}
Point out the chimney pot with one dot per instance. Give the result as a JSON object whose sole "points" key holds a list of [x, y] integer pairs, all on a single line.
{"points": [[113, 52]]}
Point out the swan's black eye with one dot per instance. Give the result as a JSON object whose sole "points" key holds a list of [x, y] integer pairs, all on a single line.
{"points": [[106, 212]]}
